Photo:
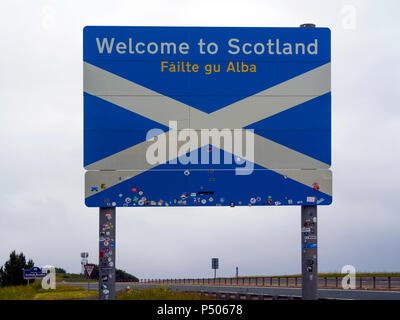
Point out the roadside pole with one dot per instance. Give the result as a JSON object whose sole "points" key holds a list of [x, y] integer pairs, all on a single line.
{"points": [[309, 251], [309, 243], [107, 253]]}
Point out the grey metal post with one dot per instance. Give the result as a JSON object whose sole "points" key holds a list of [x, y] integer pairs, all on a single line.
{"points": [[309, 251], [107, 253], [309, 243]]}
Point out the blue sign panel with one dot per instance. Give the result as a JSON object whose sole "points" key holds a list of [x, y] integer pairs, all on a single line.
{"points": [[207, 116], [34, 273]]}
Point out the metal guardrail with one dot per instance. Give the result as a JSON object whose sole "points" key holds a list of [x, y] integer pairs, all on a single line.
{"points": [[226, 295], [246, 296], [379, 283]]}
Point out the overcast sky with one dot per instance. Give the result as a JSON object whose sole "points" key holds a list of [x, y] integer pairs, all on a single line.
{"points": [[41, 141]]}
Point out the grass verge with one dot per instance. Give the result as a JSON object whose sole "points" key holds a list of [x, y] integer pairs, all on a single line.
{"points": [[159, 293], [35, 292], [72, 277]]}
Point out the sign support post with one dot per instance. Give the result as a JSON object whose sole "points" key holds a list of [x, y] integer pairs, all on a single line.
{"points": [[107, 253], [309, 251], [309, 243]]}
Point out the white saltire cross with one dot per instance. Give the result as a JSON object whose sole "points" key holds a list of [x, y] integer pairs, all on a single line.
{"points": [[162, 109]]}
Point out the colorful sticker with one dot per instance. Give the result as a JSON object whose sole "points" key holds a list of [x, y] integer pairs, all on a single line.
{"points": [[310, 199], [309, 245]]}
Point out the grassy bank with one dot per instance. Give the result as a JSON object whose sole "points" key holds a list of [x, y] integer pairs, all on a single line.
{"points": [[72, 277], [35, 292], [160, 293]]}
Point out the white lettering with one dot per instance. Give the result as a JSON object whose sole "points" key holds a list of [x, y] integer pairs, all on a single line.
{"points": [[234, 46], [184, 48], [121, 47], [105, 43], [314, 45]]}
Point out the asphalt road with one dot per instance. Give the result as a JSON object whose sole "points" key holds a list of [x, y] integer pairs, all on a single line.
{"points": [[273, 291]]}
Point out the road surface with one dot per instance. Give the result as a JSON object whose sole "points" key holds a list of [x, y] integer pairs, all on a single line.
{"points": [[272, 291]]}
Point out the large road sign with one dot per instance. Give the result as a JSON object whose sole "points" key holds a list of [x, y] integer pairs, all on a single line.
{"points": [[157, 101]]}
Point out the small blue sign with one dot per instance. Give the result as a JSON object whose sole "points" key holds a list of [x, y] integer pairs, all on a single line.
{"points": [[34, 273]]}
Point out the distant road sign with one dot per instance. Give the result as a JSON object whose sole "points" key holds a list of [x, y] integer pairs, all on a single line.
{"points": [[89, 268], [34, 273], [150, 93], [214, 263]]}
